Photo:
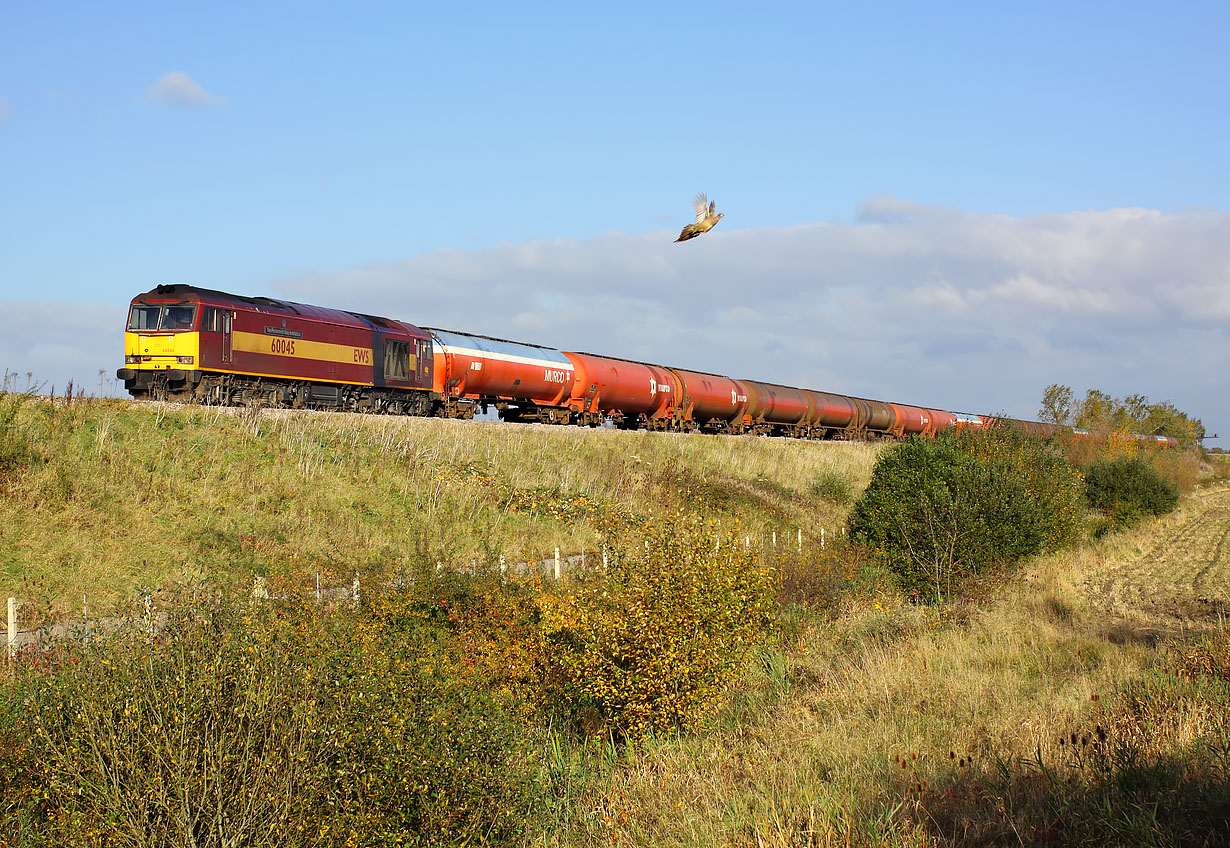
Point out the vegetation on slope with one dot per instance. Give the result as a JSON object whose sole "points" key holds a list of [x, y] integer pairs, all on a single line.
{"points": [[706, 688]]}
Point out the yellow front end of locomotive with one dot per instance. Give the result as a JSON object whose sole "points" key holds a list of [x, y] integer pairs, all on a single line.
{"points": [[162, 351]]}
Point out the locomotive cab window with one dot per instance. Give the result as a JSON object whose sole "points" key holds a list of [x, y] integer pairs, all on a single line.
{"points": [[165, 318], [211, 319], [396, 360]]}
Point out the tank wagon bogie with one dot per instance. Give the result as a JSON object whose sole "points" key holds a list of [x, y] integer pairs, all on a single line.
{"points": [[188, 343]]}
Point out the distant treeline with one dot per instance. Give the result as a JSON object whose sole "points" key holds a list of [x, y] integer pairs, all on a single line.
{"points": [[1130, 414]]}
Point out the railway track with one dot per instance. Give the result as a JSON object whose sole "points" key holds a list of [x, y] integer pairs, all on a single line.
{"points": [[1179, 585]]}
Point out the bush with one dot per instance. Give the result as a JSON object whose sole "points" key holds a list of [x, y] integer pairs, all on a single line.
{"points": [[650, 646], [275, 724], [833, 487], [939, 510], [1127, 489]]}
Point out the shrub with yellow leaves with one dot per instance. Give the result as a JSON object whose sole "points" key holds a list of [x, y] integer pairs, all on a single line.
{"points": [[650, 646]]}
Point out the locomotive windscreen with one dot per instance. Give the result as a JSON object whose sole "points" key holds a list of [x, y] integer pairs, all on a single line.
{"points": [[164, 318]]}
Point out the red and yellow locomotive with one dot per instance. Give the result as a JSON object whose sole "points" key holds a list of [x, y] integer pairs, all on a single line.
{"points": [[185, 342]]}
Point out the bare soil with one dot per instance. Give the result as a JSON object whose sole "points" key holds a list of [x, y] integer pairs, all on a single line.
{"points": [[1179, 585]]}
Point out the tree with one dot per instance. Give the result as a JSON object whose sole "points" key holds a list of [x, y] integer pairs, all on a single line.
{"points": [[1056, 405]]}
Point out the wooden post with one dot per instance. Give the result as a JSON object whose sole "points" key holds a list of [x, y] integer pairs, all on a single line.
{"points": [[604, 557], [502, 564], [317, 587], [774, 538], [354, 591], [821, 538], [557, 563], [12, 641], [800, 540]]}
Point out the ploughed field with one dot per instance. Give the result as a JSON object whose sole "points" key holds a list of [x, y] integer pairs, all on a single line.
{"points": [[1180, 580]]}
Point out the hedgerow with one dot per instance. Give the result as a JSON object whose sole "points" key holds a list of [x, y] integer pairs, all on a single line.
{"points": [[939, 510], [1127, 489]]}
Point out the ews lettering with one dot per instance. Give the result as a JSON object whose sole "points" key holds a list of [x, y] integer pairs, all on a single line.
{"points": [[363, 356]]}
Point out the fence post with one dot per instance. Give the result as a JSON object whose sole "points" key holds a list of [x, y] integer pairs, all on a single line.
{"points": [[800, 532], [354, 591], [557, 563], [821, 538], [774, 538], [317, 587], [501, 564], [12, 640], [604, 557]]}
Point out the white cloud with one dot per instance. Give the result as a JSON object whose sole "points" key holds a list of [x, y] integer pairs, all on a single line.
{"points": [[178, 89]]}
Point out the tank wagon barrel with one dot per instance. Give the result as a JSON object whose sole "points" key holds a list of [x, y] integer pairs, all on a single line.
{"points": [[195, 344]]}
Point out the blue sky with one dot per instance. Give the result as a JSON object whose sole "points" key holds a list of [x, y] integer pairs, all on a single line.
{"points": [[521, 170]]}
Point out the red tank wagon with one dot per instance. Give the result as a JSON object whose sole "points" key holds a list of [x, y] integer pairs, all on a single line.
{"points": [[709, 402], [524, 382], [630, 393]]}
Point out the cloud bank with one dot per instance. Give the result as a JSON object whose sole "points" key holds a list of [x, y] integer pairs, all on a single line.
{"points": [[965, 311], [178, 89]]}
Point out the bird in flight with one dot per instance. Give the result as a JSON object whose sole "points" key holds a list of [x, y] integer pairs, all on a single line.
{"points": [[705, 218]]}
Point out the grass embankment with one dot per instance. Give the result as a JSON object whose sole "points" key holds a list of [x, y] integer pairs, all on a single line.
{"points": [[1042, 709], [110, 498]]}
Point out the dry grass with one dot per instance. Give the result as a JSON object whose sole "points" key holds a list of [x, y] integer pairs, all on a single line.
{"points": [[867, 728], [113, 496]]}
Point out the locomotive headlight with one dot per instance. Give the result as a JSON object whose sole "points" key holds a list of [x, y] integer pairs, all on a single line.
{"points": [[184, 360], [131, 360]]}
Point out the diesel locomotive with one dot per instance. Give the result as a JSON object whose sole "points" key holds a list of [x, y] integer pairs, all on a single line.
{"points": [[193, 344]]}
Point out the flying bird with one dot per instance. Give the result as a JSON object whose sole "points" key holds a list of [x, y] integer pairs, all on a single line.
{"points": [[705, 218]]}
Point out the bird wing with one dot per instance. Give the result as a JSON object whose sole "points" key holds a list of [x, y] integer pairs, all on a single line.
{"points": [[712, 206], [701, 204]]}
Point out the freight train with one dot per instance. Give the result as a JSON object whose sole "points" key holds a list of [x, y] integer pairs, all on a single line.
{"points": [[193, 344]]}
